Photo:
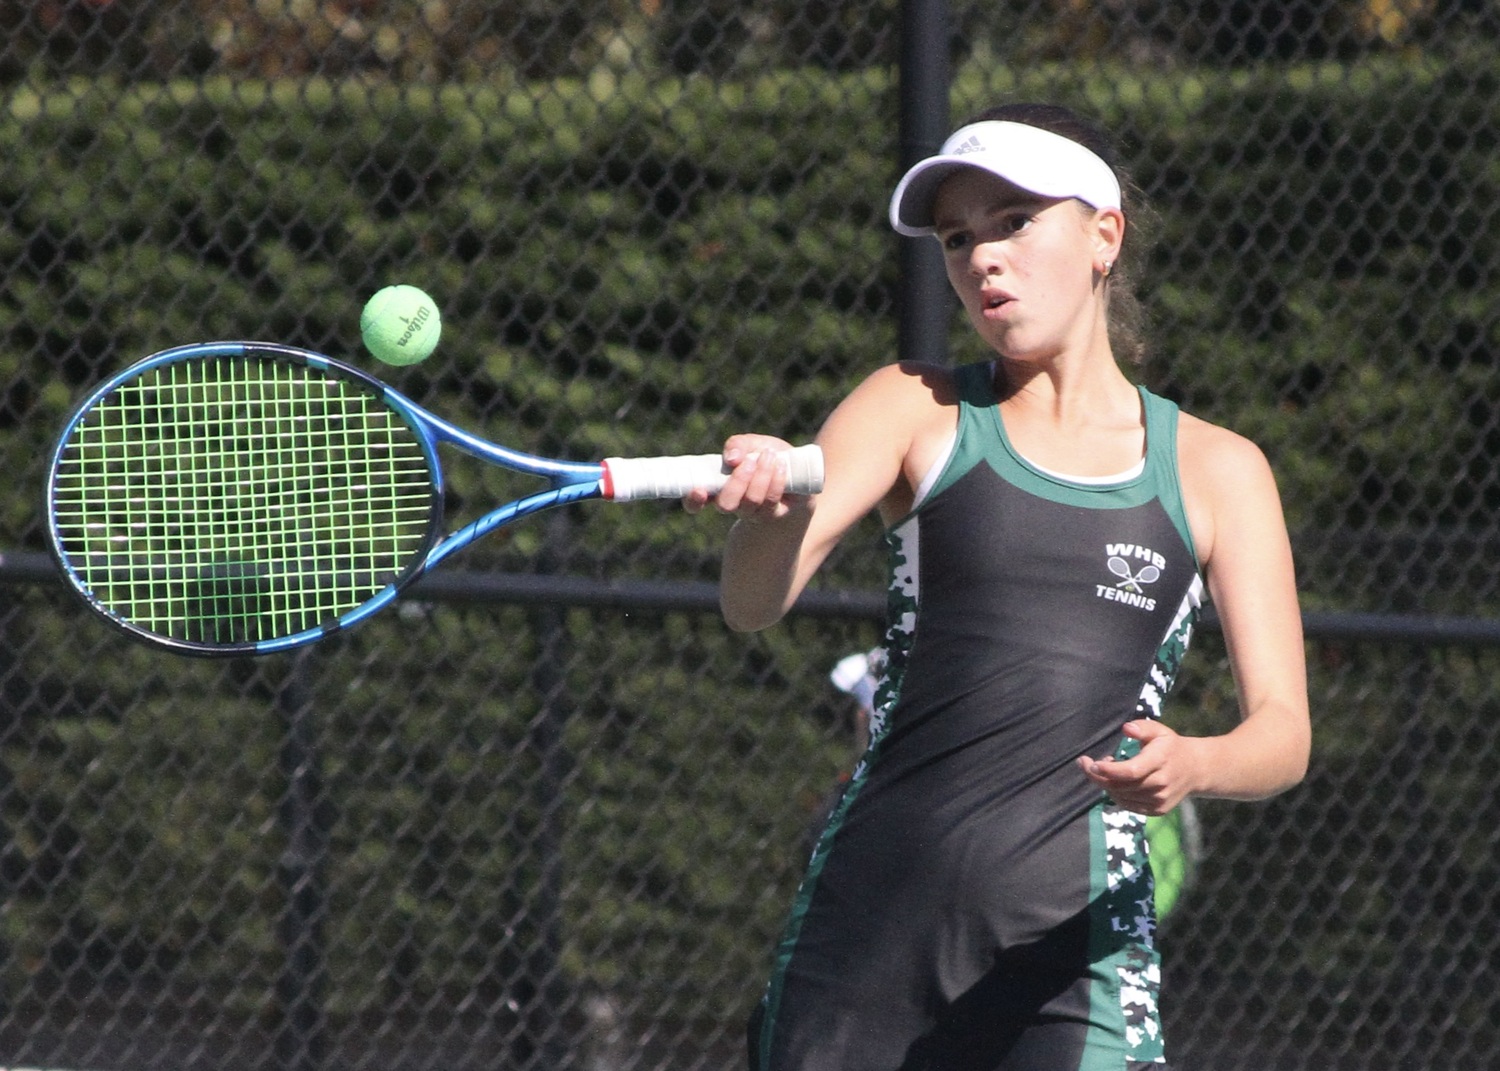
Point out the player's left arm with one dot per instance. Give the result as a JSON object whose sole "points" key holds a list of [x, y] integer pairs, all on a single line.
{"points": [[1240, 534]]}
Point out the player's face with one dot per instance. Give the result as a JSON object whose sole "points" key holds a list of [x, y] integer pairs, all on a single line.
{"points": [[1024, 266]]}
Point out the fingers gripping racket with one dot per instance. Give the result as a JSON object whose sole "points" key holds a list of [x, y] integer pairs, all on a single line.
{"points": [[243, 497]]}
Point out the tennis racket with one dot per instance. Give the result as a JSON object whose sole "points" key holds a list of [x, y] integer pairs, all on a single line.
{"points": [[231, 498]]}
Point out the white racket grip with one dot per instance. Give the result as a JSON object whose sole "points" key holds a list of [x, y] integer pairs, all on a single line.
{"points": [[629, 479]]}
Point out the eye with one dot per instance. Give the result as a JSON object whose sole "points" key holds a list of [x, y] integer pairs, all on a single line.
{"points": [[1016, 222], [955, 240]]}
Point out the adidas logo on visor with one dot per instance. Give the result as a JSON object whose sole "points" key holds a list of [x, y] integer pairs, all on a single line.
{"points": [[1029, 157]]}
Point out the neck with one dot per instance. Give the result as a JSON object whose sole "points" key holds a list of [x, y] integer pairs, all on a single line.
{"points": [[1063, 389]]}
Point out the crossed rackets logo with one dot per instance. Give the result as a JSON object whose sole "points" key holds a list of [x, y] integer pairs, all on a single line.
{"points": [[1132, 582], [1130, 589]]}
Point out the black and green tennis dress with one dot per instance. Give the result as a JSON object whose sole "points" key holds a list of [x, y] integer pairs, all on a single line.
{"points": [[975, 903]]}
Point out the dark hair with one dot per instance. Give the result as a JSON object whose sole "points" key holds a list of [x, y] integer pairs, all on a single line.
{"points": [[1127, 317]]}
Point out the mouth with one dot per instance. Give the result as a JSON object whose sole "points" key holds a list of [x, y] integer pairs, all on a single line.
{"points": [[992, 300]]}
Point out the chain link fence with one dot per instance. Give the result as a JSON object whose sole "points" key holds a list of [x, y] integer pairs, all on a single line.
{"points": [[548, 813]]}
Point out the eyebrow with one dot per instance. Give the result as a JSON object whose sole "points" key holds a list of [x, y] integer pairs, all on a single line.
{"points": [[1021, 200]]}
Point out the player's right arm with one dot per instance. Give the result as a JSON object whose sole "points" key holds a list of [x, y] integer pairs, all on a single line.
{"points": [[888, 429]]}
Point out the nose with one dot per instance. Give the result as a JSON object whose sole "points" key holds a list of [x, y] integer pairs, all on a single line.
{"points": [[986, 259]]}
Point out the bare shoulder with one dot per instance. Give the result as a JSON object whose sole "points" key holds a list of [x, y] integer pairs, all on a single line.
{"points": [[1229, 490], [1210, 452], [901, 401], [918, 382], [889, 430]]}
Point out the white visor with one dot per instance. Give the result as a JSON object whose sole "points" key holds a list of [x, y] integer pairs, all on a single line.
{"points": [[1034, 159]]}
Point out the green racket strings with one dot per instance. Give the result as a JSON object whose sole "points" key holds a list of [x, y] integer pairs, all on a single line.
{"points": [[236, 500]]}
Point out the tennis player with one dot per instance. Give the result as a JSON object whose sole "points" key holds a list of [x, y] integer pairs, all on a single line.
{"points": [[980, 898]]}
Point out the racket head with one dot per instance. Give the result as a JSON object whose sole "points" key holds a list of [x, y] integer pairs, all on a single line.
{"points": [[229, 498], [1175, 842]]}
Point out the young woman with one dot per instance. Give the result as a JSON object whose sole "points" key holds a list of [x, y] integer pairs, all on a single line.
{"points": [[980, 898]]}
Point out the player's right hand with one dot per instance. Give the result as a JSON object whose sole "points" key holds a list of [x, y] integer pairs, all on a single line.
{"points": [[756, 489]]}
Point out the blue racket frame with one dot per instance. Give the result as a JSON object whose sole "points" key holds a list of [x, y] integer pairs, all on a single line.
{"points": [[567, 482]]}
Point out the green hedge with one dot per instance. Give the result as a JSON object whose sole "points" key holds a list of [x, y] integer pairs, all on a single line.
{"points": [[703, 259], [650, 269], [590, 259]]}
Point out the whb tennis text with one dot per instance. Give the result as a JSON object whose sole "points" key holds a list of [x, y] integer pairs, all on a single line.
{"points": [[1130, 588]]}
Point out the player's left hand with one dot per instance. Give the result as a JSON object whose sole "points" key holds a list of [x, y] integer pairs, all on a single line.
{"points": [[1153, 781]]}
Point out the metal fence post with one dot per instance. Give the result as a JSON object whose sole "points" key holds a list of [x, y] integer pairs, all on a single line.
{"points": [[301, 1033], [924, 304], [541, 991]]}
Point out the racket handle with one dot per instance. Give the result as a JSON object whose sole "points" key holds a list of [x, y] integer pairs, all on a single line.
{"points": [[628, 479]]}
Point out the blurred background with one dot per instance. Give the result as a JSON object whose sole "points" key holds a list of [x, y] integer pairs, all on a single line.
{"points": [[549, 814]]}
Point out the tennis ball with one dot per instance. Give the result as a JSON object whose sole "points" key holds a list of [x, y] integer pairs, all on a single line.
{"points": [[400, 325]]}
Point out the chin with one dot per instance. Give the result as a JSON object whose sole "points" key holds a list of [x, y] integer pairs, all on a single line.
{"points": [[1023, 354]]}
